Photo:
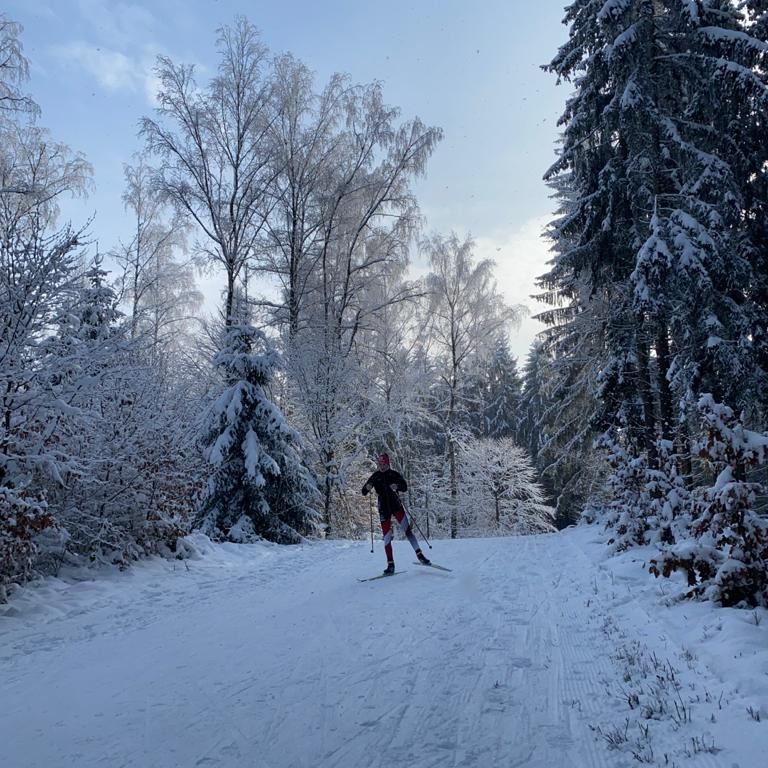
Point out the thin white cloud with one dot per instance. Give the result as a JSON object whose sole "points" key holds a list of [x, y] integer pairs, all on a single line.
{"points": [[120, 51], [151, 87], [113, 70]]}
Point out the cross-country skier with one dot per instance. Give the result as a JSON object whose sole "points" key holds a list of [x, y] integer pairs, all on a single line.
{"points": [[387, 482]]}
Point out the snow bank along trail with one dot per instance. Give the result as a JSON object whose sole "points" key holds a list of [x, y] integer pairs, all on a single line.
{"points": [[269, 657]]}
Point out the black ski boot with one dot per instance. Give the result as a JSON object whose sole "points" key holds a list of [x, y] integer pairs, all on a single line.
{"points": [[423, 559], [390, 569]]}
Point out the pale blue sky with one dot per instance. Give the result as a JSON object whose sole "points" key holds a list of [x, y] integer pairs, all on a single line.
{"points": [[472, 68]]}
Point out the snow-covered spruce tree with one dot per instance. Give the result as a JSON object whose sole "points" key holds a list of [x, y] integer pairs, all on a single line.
{"points": [[726, 558], [659, 491], [94, 315], [565, 370], [89, 369], [593, 239], [753, 128], [698, 274], [533, 400], [656, 191], [562, 415], [259, 485], [626, 483], [667, 497], [563, 374]]}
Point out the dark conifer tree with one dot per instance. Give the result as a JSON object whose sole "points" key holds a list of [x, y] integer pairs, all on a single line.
{"points": [[259, 486], [658, 280], [656, 191], [495, 394]]}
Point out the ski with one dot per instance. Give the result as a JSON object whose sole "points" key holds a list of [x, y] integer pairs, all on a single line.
{"points": [[434, 565], [381, 576]]}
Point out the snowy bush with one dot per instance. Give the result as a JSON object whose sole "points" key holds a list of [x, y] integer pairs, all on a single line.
{"points": [[726, 558], [125, 488], [650, 503], [627, 511], [22, 518], [667, 497]]}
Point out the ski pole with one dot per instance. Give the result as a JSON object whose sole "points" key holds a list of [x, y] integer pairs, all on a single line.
{"points": [[371, 509], [418, 527]]}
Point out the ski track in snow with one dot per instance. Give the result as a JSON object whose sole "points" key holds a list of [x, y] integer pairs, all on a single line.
{"points": [[284, 660]]}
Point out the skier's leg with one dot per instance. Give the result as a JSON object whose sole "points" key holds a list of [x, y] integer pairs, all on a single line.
{"points": [[386, 530], [405, 524]]}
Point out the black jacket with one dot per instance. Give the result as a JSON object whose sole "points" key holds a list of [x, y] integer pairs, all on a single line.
{"points": [[381, 482]]}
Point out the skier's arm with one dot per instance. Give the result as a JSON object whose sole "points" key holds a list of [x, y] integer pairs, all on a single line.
{"points": [[368, 485], [398, 483]]}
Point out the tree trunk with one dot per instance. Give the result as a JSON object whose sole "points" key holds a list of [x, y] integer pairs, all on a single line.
{"points": [[684, 450], [136, 270], [293, 277], [454, 487], [662, 383], [648, 426], [454, 481], [230, 298], [327, 506]]}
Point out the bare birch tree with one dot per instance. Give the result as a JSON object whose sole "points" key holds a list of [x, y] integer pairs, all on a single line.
{"points": [[14, 71], [215, 151], [307, 134], [157, 284], [467, 313], [368, 216]]}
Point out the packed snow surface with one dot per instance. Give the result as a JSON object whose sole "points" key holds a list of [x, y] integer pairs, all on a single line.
{"points": [[535, 651]]}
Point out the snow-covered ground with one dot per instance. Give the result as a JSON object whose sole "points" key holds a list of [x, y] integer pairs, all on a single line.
{"points": [[535, 651]]}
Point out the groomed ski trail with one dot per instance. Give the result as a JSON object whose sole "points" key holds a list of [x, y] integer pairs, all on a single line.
{"points": [[287, 661]]}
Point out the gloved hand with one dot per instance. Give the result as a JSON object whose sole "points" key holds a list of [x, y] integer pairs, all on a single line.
{"points": [[393, 486], [368, 487]]}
